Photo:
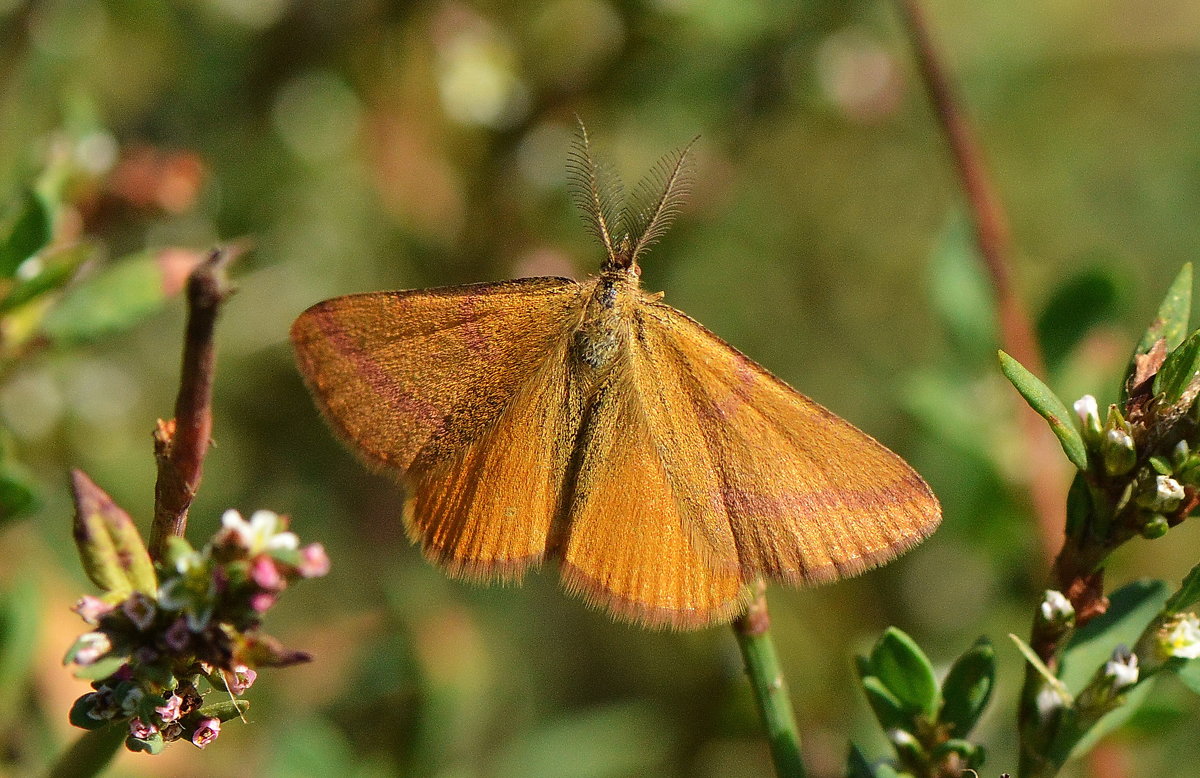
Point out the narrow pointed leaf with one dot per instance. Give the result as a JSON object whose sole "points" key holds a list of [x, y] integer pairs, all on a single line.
{"points": [[888, 709], [903, 668], [113, 553], [1033, 659], [1080, 507], [29, 230], [112, 300], [80, 715], [102, 667], [1189, 673], [18, 493], [968, 687], [857, 765], [20, 619], [54, 269], [90, 753], [1171, 322], [1047, 404], [224, 710], [1188, 594], [151, 745], [1177, 371]]}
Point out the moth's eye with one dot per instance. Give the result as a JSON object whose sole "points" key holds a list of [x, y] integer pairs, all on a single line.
{"points": [[637, 270]]}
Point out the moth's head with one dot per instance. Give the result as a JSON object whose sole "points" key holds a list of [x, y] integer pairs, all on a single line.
{"points": [[623, 257]]}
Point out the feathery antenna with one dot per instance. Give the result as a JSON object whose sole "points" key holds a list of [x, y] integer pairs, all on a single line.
{"points": [[657, 199], [595, 189]]}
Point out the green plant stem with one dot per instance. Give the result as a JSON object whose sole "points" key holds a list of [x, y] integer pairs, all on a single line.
{"points": [[753, 631], [90, 753]]}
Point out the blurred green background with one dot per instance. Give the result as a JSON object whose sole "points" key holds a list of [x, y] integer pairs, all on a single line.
{"points": [[370, 145]]}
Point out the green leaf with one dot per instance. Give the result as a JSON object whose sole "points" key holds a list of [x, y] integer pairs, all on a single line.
{"points": [[28, 231], [1171, 322], [1130, 609], [1188, 594], [18, 493], [968, 687], [1079, 506], [224, 710], [1052, 409], [90, 753], [903, 668], [45, 274], [113, 300], [1189, 673], [102, 667], [1033, 659], [20, 617], [964, 748], [1178, 369], [151, 745], [888, 709], [1111, 721], [857, 765], [79, 715], [1086, 299]]}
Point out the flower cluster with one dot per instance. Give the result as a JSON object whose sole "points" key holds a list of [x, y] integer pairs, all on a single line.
{"points": [[1145, 461], [150, 653]]}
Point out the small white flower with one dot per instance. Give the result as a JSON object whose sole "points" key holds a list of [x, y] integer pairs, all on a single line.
{"points": [[264, 524], [1168, 493], [1122, 669], [1056, 607], [1049, 700], [1180, 637], [259, 534]]}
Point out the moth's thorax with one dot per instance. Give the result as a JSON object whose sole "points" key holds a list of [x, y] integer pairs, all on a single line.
{"points": [[607, 315]]}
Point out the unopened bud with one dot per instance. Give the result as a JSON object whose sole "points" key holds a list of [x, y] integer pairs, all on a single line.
{"points": [[1118, 452], [1155, 527], [1089, 418]]}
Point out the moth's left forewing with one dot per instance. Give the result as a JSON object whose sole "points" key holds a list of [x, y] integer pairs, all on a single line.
{"points": [[808, 497]]}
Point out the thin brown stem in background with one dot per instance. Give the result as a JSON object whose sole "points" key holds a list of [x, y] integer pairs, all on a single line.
{"points": [[993, 237], [181, 443]]}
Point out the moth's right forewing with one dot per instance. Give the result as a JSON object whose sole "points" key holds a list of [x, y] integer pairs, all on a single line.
{"points": [[402, 374], [807, 497]]}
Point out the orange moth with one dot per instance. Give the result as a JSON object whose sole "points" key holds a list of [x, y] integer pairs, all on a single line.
{"points": [[589, 422]]}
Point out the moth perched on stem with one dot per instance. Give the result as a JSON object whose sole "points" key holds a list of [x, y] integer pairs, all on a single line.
{"points": [[588, 422]]}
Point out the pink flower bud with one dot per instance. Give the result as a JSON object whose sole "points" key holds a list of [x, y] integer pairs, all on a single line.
{"points": [[92, 609], [140, 729], [265, 573], [314, 562], [262, 601]]}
